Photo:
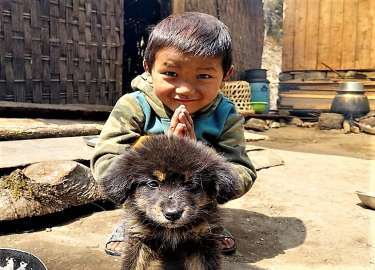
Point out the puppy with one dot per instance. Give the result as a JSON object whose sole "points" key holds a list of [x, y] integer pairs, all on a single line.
{"points": [[170, 188]]}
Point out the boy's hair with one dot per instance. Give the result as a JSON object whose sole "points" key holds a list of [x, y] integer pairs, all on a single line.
{"points": [[193, 33]]}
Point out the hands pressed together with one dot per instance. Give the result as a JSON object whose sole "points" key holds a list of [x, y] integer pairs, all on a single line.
{"points": [[182, 124]]}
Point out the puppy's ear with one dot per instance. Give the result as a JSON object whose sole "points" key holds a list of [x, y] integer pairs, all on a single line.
{"points": [[227, 182], [117, 184]]}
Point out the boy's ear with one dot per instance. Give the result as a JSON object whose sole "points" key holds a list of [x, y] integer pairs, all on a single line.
{"points": [[146, 67], [227, 76], [229, 73]]}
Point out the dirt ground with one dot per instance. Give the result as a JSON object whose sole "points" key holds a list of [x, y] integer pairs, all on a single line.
{"points": [[302, 215]]}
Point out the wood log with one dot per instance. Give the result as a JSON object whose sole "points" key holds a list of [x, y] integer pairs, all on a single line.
{"points": [[45, 188], [50, 131]]}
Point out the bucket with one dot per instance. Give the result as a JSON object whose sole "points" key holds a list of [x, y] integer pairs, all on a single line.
{"points": [[259, 85]]}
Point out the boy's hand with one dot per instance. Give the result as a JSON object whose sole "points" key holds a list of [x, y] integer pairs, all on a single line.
{"points": [[182, 124]]}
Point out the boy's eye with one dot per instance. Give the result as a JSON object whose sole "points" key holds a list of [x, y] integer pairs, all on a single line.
{"points": [[204, 76], [153, 184], [170, 74]]}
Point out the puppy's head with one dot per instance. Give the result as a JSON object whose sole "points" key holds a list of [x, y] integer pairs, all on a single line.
{"points": [[171, 181]]}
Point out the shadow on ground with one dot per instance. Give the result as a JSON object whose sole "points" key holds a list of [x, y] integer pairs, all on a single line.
{"points": [[40, 223], [258, 236], [262, 237]]}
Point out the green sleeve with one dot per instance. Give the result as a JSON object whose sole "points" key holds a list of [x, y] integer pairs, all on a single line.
{"points": [[123, 127], [232, 145]]}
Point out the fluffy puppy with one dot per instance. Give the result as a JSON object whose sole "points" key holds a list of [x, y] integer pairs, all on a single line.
{"points": [[170, 188]]}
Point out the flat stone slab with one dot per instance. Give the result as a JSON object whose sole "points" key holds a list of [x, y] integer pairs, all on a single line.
{"points": [[252, 137], [263, 158], [24, 152]]}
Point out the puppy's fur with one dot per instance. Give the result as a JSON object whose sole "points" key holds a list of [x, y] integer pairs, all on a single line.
{"points": [[170, 188]]}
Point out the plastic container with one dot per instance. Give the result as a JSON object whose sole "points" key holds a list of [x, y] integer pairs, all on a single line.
{"points": [[259, 85], [259, 107]]}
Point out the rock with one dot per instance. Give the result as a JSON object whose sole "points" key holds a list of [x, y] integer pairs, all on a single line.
{"points": [[256, 124], [296, 121], [283, 123], [275, 125], [264, 158], [16, 154], [46, 187], [366, 128], [309, 124], [346, 126], [355, 129], [370, 121], [370, 114], [330, 121]]}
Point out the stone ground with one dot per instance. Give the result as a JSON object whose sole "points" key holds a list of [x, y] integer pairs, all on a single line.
{"points": [[303, 215]]}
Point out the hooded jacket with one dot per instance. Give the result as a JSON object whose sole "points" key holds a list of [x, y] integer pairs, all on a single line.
{"points": [[141, 113]]}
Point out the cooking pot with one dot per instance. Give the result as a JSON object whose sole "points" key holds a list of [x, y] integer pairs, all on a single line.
{"points": [[350, 100]]}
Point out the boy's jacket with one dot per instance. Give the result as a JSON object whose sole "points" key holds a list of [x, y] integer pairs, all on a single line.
{"points": [[141, 113]]}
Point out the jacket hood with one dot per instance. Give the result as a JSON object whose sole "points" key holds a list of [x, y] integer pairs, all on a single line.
{"points": [[143, 83]]}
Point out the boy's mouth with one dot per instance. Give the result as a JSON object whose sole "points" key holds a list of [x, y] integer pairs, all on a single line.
{"points": [[183, 100]]}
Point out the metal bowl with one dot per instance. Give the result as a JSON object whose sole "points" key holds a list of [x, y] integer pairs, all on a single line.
{"points": [[17, 259], [367, 198]]}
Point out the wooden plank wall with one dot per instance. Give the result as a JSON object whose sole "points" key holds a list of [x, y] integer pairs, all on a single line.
{"points": [[339, 33], [246, 22], [61, 51]]}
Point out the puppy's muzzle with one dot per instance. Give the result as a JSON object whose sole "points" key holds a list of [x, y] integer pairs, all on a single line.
{"points": [[172, 214]]}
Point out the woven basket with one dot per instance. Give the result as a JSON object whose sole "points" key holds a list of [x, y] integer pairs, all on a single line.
{"points": [[239, 93]]}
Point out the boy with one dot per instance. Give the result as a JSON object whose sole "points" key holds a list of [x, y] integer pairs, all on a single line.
{"points": [[187, 59]]}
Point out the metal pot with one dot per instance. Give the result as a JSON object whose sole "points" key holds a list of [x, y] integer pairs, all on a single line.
{"points": [[350, 100]]}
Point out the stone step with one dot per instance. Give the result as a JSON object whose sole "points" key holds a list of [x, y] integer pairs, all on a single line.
{"points": [[23, 152]]}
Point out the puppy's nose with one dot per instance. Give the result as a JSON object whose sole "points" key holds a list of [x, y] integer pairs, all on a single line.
{"points": [[172, 214]]}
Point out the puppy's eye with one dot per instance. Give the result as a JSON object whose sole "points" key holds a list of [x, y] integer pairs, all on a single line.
{"points": [[153, 184], [189, 185]]}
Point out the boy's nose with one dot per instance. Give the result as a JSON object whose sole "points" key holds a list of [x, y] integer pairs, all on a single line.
{"points": [[185, 88]]}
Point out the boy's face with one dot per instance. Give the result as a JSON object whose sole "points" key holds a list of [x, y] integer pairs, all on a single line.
{"points": [[182, 79]]}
